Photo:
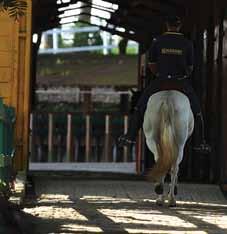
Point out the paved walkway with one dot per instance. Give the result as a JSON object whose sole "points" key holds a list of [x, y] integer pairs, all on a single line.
{"points": [[95, 206]]}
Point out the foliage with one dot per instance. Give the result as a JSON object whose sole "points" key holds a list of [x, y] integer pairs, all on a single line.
{"points": [[16, 8], [80, 39], [83, 38], [4, 189], [2, 185], [86, 38]]}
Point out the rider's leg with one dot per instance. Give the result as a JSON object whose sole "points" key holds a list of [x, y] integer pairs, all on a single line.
{"points": [[203, 147], [136, 118], [135, 123]]}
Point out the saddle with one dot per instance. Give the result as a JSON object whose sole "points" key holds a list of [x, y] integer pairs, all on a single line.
{"points": [[182, 86], [171, 84]]}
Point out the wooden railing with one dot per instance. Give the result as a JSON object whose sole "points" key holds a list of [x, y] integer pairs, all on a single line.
{"points": [[78, 137]]}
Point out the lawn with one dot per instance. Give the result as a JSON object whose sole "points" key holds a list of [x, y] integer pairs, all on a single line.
{"points": [[86, 69]]}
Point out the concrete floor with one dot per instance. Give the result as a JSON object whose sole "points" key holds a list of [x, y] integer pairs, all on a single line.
{"points": [[107, 206]]}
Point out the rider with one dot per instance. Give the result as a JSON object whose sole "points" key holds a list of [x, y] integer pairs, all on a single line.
{"points": [[171, 62]]}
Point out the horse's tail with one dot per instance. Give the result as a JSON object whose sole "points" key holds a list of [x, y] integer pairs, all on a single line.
{"points": [[166, 142]]}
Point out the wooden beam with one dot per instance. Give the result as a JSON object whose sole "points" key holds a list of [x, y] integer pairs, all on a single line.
{"points": [[221, 125], [221, 35], [211, 115]]}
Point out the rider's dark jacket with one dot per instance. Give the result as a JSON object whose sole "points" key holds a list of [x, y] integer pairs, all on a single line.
{"points": [[173, 55]]}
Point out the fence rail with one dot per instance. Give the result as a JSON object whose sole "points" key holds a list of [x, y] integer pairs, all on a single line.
{"points": [[105, 47], [78, 137]]}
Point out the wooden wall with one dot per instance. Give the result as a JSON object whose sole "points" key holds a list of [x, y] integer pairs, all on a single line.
{"points": [[15, 44]]}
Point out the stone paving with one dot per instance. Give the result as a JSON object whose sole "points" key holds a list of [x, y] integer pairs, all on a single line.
{"points": [[105, 206]]}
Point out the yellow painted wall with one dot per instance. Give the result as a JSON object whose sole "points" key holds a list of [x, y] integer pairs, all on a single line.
{"points": [[15, 47]]}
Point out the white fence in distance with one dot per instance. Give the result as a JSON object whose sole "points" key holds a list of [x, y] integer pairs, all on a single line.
{"points": [[105, 47]]}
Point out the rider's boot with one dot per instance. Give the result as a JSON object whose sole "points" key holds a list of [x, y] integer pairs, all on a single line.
{"points": [[135, 123], [203, 147]]}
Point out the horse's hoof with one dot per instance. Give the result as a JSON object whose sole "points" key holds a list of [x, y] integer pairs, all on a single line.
{"points": [[172, 203], [175, 190], [159, 189], [160, 202]]}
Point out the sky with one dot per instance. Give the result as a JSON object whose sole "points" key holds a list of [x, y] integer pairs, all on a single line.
{"points": [[68, 15]]}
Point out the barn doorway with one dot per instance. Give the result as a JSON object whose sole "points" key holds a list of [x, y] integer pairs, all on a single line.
{"points": [[81, 98]]}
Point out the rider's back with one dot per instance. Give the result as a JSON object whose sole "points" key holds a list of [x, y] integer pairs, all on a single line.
{"points": [[173, 54]]}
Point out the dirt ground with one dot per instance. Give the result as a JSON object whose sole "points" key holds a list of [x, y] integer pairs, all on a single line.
{"points": [[106, 206]]}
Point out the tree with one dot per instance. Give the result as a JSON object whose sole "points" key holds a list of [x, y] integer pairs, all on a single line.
{"points": [[86, 38], [16, 8], [123, 46]]}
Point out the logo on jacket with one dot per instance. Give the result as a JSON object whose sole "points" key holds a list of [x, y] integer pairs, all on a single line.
{"points": [[171, 51]]}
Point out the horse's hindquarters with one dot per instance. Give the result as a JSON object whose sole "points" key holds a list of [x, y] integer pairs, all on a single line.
{"points": [[168, 122]]}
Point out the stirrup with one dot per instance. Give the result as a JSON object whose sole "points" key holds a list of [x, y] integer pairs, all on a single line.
{"points": [[203, 148], [124, 140]]}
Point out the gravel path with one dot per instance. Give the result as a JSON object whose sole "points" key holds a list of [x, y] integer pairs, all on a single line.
{"points": [[95, 206]]}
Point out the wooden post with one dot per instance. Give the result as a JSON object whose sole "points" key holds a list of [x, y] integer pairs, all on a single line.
{"points": [[50, 138], [139, 150], [76, 149], [34, 56], [125, 154], [211, 91], [69, 138], [223, 127], [88, 138], [198, 77], [198, 82], [221, 35], [124, 103], [221, 154], [140, 83], [31, 146], [107, 139], [87, 104]]}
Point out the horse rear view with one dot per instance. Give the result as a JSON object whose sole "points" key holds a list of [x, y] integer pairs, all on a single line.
{"points": [[168, 123]]}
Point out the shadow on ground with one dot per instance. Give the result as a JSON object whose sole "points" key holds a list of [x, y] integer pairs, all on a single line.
{"points": [[120, 207]]}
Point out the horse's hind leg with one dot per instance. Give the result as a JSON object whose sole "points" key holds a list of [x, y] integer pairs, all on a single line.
{"points": [[159, 190], [173, 186], [174, 178]]}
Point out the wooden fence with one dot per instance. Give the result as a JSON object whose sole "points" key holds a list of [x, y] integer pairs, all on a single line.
{"points": [[78, 137]]}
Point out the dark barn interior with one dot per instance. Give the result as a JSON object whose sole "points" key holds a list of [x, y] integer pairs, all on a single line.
{"points": [[141, 20]]}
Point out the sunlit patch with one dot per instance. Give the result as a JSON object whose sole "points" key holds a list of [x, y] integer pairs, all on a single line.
{"points": [[148, 200], [104, 199], [54, 198], [145, 217], [145, 231], [56, 213], [35, 38], [217, 220], [202, 204], [55, 208], [193, 203], [82, 228], [103, 207]]}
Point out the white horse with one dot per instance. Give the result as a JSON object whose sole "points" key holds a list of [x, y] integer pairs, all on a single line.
{"points": [[168, 123]]}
